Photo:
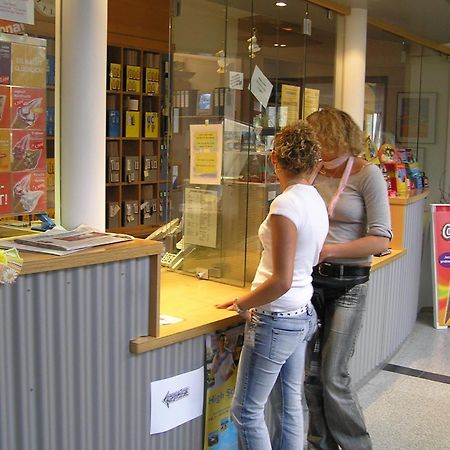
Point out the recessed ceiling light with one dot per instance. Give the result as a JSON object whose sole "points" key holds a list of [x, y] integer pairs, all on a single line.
{"points": [[282, 45], [275, 45], [280, 4], [286, 28]]}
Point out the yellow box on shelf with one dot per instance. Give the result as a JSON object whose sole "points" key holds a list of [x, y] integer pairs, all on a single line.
{"points": [[132, 122], [151, 125]]}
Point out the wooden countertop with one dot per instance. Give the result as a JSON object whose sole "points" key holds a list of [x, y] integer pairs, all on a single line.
{"points": [[194, 301], [137, 248], [413, 197]]}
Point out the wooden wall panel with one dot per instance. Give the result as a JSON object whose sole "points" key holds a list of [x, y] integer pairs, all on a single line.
{"points": [[139, 23]]}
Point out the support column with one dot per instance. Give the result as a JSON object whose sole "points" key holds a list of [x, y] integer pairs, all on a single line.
{"points": [[354, 64], [83, 112]]}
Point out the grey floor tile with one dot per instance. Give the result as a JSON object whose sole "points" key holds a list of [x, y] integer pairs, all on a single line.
{"points": [[407, 412], [412, 414], [426, 348]]}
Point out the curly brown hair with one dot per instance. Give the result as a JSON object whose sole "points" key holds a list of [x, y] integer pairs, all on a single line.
{"points": [[337, 131], [297, 148]]}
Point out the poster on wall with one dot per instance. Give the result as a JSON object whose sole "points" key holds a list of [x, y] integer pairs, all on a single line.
{"points": [[222, 353], [440, 222], [206, 145]]}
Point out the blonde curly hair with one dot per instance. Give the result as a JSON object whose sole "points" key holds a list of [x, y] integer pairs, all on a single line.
{"points": [[297, 148], [337, 131]]}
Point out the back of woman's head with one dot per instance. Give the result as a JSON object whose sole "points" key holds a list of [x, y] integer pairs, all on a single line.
{"points": [[297, 148], [337, 131]]}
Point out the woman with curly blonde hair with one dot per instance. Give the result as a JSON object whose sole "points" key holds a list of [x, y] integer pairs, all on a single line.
{"points": [[356, 196], [280, 316]]}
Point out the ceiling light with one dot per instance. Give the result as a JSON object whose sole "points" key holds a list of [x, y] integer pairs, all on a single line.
{"points": [[286, 28], [280, 4], [275, 45], [282, 45]]}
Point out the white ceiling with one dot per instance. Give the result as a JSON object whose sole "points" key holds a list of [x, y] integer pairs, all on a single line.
{"points": [[429, 19]]}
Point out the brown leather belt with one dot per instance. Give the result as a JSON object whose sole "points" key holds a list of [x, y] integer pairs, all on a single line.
{"points": [[341, 270]]}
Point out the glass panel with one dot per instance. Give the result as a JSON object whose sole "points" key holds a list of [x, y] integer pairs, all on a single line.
{"points": [[31, 131], [244, 70], [320, 50], [406, 106]]}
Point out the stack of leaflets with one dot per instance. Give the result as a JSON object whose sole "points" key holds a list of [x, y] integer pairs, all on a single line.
{"points": [[57, 242]]}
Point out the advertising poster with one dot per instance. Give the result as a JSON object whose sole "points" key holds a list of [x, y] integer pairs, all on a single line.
{"points": [[29, 192], [206, 154], [28, 65], [222, 357], [28, 150], [4, 106], [440, 222], [5, 63], [5, 193], [5, 145], [28, 108]]}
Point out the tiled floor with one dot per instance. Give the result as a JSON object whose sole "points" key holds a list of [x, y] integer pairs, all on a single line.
{"points": [[407, 405]]}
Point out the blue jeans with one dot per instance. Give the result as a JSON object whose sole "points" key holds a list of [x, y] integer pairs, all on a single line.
{"points": [[335, 417], [273, 346]]}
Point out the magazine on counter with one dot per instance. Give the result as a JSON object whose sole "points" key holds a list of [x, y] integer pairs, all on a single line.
{"points": [[69, 241]]}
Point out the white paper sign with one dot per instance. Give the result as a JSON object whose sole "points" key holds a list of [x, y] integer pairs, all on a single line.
{"points": [[260, 86], [236, 80], [176, 400], [17, 11]]}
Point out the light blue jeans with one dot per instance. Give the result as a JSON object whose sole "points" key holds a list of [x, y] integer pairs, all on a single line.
{"points": [[274, 347]]}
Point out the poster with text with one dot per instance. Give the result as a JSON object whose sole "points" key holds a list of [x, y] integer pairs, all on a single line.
{"points": [[5, 63], [440, 220], [5, 193], [222, 353], [5, 151], [290, 98], [28, 65], [29, 192], [28, 150], [28, 108], [5, 95], [206, 145]]}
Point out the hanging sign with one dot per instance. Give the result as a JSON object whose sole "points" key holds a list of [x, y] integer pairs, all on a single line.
{"points": [[440, 222]]}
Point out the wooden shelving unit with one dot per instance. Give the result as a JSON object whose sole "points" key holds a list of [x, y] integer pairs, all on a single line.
{"points": [[136, 166]]}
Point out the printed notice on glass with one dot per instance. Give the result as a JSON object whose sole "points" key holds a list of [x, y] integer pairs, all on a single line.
{"points": [[206, 154], [200, 217], [17, 11], [311, 101], [290, 98], [176, 400], [260, 86], [236, 80]]}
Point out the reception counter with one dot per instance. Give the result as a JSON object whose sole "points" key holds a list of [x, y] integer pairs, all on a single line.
{"points": [[81, 341]]}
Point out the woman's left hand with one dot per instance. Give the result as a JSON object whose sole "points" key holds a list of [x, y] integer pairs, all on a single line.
{"points": [[230, 307], [227, 305]]}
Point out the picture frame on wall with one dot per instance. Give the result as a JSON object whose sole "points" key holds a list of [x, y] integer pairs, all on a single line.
{"points": [[416, 117]]}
